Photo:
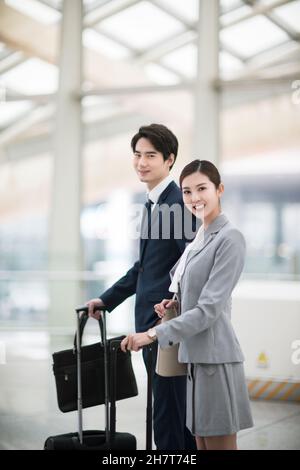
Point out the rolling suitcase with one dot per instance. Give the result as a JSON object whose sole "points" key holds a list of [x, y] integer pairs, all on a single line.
{"points": [[107, 439]]}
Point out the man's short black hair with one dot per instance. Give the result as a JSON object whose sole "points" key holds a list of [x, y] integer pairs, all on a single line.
{"points": [[162, 139]]}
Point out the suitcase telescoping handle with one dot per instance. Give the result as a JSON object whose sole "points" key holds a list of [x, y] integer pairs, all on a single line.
{"points": [[82, 323], [84, 309], [149, 397]]}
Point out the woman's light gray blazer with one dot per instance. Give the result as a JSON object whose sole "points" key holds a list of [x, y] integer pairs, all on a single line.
{"points": [[204, 328]]}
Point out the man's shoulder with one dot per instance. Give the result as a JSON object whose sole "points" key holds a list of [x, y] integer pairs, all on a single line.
{"points": [[173, 194]]}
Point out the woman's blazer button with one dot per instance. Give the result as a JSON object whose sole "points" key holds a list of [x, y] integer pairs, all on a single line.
{"points": [[170, 343]]}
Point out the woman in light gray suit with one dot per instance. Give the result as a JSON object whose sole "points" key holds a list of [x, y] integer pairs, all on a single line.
{"points": [[202, 280]]}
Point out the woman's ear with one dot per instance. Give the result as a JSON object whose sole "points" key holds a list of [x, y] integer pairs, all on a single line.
{"points": [[220, 189]]}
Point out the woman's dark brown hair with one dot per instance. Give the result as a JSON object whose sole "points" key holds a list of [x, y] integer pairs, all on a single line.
{"points": [[201, 166]]}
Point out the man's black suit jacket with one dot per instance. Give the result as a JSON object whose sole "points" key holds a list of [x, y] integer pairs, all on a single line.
{"points": [[149, 277]]}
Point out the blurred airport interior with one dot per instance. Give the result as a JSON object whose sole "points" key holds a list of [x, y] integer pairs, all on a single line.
{"points": [[77, 80]]}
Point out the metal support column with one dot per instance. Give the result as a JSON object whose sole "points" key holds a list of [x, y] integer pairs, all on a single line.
{"points": [[65, 246], [206, 124]]}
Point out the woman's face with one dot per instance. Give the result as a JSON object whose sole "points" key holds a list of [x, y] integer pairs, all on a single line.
{"points": [[201, 196]]}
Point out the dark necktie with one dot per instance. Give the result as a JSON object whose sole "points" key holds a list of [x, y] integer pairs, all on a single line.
{"points": [[148, 206]]}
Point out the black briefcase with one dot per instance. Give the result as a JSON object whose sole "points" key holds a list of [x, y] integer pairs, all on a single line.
{"points": [[96, 440], [92, 372]]}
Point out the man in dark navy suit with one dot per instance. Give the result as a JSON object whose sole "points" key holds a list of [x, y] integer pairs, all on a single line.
{"points": [[155, 149]]}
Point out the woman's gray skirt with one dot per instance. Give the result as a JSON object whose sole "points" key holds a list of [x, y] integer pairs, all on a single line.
{"points": [[217, 399]]}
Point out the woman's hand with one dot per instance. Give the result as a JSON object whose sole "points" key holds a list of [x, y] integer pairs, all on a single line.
{"points": [[135, 342], [164, 305]]}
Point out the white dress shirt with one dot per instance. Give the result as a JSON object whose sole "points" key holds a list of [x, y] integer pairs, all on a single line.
{"points": [[155, 193]]}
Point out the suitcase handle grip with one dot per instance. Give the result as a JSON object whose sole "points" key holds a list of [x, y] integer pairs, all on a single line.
{"points": [[82, 322], [85, 309]]}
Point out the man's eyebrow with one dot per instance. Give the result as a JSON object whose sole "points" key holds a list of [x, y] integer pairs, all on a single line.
{"points": [[150, 151]]}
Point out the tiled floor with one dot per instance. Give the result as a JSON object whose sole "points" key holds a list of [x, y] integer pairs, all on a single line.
{"points": [[29, 412]]}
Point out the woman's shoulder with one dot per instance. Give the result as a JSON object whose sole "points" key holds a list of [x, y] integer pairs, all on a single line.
{"points": [[232, 235]]}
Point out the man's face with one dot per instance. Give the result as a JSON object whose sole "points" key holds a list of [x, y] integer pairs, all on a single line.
{"points": [[149, 163]]}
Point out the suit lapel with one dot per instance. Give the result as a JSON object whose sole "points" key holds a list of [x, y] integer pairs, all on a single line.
{"points": [[154, 218], [155, 221], [196, 251], [209, 235]]}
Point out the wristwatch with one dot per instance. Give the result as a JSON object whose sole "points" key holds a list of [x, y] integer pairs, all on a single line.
{"points": [[152, 334]]}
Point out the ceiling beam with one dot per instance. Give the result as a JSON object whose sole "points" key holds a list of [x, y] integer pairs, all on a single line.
{"points": [[36, 115], [50, 4], [272, 56], [138, 89], [255, 82], [11, 96], [11, 61], [97, 130], [93, 6], [108, 9], [280, 23], [257, 9]]}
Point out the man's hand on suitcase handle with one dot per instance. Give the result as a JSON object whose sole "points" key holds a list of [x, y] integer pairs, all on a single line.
{"points": [[92, 306], [135, 342]]}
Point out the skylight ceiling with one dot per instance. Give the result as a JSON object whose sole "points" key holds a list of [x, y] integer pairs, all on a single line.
{"points": [[234, 15], [183, 60], [161, 75], [12, 111], [33, 76], [290, 14], [96, 41], [35, 9], [228, 5], [188, 9], [229, 64], [142, 25], [4, 51], [252, 36], [164, 33]]}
